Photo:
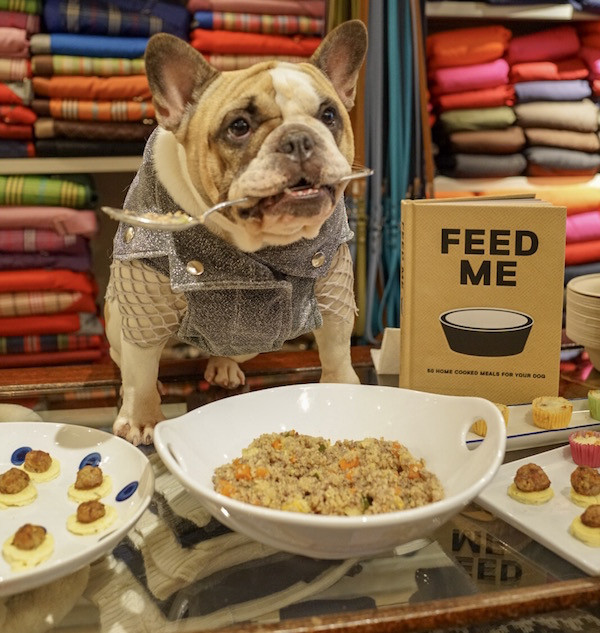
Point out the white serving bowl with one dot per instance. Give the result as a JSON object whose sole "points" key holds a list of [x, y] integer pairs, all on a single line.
{"points": [[431, 426]]}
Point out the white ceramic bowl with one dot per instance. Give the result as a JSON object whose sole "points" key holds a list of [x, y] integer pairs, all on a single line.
{"points": [[431, 426]]}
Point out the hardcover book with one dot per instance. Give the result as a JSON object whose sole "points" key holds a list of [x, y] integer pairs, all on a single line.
{"points": [[482, 283]]}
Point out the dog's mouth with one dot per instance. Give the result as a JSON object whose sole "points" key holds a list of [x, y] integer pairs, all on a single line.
{"points": [[301, 199]]}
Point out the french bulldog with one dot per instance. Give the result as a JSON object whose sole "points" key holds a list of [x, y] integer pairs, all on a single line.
{"points": [[278, 137]]}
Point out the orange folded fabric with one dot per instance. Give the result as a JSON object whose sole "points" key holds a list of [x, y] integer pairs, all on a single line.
{"points": [[134, 87], [582, 252], [461, 47], [549, 172], [484, 98], [576, 198], [235, 42], [564, 69]]}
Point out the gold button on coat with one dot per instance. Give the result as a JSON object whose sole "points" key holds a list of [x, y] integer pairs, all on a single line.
{"points": [[195, 267], [318, 259], [128, 235]]}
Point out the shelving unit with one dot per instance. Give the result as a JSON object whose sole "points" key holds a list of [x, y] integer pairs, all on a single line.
{"points": [[483, 10]]}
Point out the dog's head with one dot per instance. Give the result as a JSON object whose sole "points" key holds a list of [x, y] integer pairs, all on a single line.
{"points": [[277, 133]]}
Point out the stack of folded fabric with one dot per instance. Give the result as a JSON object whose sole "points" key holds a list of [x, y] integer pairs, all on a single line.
{"points": [[234, 34], [553, 104], [90, 90], [472, 98], [48, 309], [18, 23]]}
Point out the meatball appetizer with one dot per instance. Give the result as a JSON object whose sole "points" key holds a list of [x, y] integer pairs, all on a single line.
{"points": [[16, 488], [586, 527], [585, 486], [41, 466], [90, 484], [29, 546], [91, 517], [531, 485]]}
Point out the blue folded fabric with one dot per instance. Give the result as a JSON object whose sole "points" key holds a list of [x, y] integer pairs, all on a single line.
{"points": [[560, 90], [93, 45], [97, 17], [203, 20], [10, 148], [592, 6]]}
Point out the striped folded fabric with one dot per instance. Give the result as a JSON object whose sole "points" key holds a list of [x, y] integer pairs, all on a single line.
{"points": [[231, 43], [49, 343], [94, 17], [92, 130], [126, 88], [87, 45], [259, 23], [62, 220], [23, 6], [16, 92], [76, 192], [45, 302], [49, 65], [238, 62], [14, 69], [27, 21], [34, 240], [84, 110]]}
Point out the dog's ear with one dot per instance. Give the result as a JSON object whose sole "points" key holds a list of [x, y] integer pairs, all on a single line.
{"points": [[177, 75], [340, 56]]}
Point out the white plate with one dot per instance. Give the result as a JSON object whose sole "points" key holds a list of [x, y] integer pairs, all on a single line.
{"points": [[522, 432], [431, 426], [132, 487], [547, 523]]}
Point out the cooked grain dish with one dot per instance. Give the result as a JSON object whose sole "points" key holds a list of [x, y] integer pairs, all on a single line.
{"points": [[302, 473]]}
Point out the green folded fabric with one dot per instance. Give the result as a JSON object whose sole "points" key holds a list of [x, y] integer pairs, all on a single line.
{"points": [[73, 191], [477, 119], [24, 6]]}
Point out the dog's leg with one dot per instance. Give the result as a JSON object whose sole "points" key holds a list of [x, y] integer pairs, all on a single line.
{"points": [[224, 371], [335, 296], [142, 314]]}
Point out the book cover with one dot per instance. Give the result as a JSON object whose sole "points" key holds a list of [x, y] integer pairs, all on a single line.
{"points": [[482, 282]]}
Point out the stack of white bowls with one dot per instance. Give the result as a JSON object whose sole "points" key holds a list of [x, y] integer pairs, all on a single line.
{"points": [[583, 314]]}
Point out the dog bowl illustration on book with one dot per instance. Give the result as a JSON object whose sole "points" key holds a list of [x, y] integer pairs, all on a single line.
{"points": [[486, 331]]}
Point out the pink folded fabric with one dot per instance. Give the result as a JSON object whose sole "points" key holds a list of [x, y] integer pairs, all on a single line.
{"points": [[63, 220], [472, 77], [20, 20], [583, 227], [13, 42], [550, 44], [591, 58], [313, 8]]}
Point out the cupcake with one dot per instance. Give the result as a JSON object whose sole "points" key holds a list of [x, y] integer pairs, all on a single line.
{"points": [[585, 448], [551, 412], [586, 527], [531, 485], [585, 486], [480, 427], [594, 403]]}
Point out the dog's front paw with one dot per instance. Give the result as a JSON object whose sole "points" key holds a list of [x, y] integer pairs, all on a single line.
{"points": [[135, 431], [224, 372], [346, 376]]}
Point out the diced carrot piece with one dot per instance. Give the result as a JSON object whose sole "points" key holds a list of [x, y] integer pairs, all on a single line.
{"points": [[345, 464], [261, 472], [276, 444], [242, 471], [226, 488]]}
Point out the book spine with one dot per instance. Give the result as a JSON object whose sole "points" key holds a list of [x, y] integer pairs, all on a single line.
{"points": [[406, 289]]}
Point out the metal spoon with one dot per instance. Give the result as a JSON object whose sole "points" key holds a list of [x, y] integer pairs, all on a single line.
{"points": [[180, 221]]}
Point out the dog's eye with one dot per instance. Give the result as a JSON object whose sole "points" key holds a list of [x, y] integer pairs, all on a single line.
{"points": [[238, 128], [329, 116]]}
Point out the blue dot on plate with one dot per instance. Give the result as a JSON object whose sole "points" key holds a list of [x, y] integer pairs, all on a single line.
{"points": [[18, 456], [127, 491], [93, 459]]}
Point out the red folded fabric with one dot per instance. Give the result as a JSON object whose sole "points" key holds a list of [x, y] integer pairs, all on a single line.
{"points": [[16, 131], [461, 47], [544, 70], [465, 78], [46, 359], [313, 8], [17, 114], [550, 44], [232, 42], [40, 279], [20, 20], [551, 172], [484, 98], [591, 58], [582, 252], [40, 324], [134, 87]]}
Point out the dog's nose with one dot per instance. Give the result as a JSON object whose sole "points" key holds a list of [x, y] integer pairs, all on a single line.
{"points": [[297, 145]]}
